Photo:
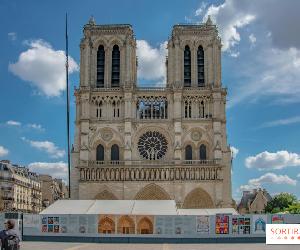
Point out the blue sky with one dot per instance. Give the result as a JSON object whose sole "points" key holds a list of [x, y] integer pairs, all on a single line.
{"points": [[260, 68]]}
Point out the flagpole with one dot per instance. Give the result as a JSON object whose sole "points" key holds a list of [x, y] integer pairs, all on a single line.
{"points": [[68, 107]]}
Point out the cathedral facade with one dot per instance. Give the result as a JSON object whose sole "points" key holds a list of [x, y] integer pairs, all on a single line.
{"points": [[151, 143]]}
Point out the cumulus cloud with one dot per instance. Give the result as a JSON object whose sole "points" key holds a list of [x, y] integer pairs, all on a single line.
{"points": [[55, 169], [233, 15], [234, 151], [274, 68], [151, 62], [13, 123], [229, 18], [47, 146], [278, 160], [43, 67], [270, 178], [3, 151], [281, 122]]}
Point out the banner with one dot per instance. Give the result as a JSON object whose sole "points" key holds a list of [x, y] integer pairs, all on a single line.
{"points": [[202, 224]]}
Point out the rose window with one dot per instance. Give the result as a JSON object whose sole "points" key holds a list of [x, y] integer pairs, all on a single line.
{"points": [[152, 145]]}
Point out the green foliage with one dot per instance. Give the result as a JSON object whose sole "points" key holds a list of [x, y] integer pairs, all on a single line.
{"points": [[281, 203], [294, 209]]}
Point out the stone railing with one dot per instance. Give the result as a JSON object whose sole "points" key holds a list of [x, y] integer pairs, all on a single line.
{"points": [[166, 172], [146, 163]]}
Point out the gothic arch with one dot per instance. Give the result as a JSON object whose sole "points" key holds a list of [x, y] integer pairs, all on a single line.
{"points": [[126, 225], [106, 226], [145, 226], [105, 195], [198, 198], [152, 192]]}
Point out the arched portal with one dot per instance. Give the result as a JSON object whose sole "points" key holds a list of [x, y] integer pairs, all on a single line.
{"points": [[106, 226], [145, 226], [126, 225], [198, 198], [105, 195], [152, 192]]}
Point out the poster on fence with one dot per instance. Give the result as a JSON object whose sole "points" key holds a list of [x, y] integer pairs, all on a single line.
{"points": [[241, 225], [164, 225], [74, 224], [202, 224], [222, 224], [259, 224], [184, 225], [277, 219]]}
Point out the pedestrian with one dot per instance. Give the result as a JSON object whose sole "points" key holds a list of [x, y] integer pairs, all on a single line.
{"points": [[10, 237]]}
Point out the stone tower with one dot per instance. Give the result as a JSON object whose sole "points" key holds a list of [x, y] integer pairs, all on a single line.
{"points": [[134, 142]]}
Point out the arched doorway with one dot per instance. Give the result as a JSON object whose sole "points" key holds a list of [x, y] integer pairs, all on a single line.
{"points": [[106, 226], [145, 226], [105, 195], [198, 198], [126, 225], [152, 192]]}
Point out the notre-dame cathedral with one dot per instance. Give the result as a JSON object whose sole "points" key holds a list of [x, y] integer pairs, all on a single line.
{"points": [[151, 143]]}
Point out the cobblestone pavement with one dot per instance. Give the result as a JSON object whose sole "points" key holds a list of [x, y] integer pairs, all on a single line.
{"points": [[90, 246]]}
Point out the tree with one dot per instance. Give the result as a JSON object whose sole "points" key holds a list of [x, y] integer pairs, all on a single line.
{"points": [[294, 209], [280, 203]]}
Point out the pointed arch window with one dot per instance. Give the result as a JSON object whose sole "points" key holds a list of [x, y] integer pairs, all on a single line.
{"points": [[188, 153], [100, 153], [115, 67], [114, 153], [187, 66], [200, 64], [203, 155], [100, 67]]}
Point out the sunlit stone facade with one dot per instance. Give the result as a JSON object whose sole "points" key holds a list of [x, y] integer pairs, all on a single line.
{"points": [[135, 142]]}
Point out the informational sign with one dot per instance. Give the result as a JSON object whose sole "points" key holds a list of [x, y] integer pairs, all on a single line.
{"points": [[259, 224], [74, 224], [202, 224], [222, 224], [164, 225], [241, 225]]}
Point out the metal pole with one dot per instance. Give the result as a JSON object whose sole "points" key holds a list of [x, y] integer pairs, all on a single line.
{"points": [[68, 106]]}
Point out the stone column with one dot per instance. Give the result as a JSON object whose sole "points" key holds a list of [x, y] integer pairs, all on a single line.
{"points": [[128, 124]]}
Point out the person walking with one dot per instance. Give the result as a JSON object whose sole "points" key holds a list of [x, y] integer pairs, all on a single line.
{"points": [[10, 237]]}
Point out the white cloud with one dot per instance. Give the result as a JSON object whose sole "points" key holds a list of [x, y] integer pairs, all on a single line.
{"points": [[274, 68], [151, 62], [269, 72], [281, 122], [229, 18], [47, 146], [200, 11], [252, 39], [12, 36], [234, 151], [43, 67], [36, 126], [269, 178], [278, 160], [3, 151], [55, 169], [13, 123]]}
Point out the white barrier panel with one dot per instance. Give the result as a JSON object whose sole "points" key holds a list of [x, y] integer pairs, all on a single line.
{"points": [[173, 226]]}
